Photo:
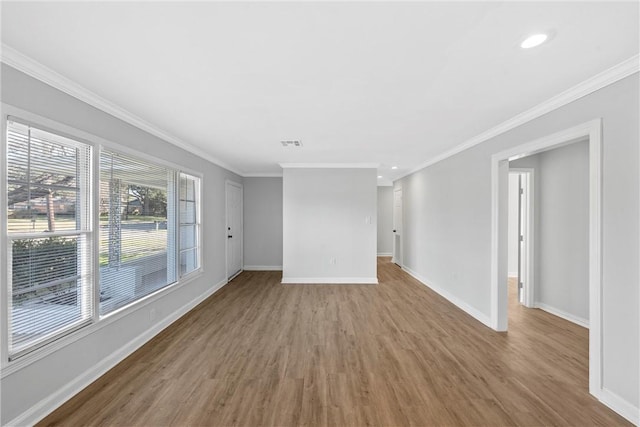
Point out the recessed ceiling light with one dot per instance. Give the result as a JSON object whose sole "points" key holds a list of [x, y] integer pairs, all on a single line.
{"points": [[394, 167], [379, 176], [533, 41]]}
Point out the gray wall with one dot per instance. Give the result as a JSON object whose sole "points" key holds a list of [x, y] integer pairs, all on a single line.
{"points": [[262, 223], [27, 387], [324, 216], [561, 224], [447, 222], [385, 221]]}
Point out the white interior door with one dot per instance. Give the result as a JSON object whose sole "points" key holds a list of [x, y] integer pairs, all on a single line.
{"points": [[234, 228], [521, 243], [521, 240], [397, 227], [525, 232]]}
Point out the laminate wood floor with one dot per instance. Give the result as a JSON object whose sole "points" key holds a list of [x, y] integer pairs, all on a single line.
{"points": [[396, 354]]}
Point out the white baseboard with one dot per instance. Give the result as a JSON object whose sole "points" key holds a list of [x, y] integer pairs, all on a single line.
{"points": [[262, 268], [330, 280], [620, 405], [43, 408], [563, 314], [473, 312], [513, 274], [385, 254]]}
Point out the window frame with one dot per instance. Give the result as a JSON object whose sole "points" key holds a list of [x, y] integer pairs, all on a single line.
{"points": [[172, 187], [198, 223], [86, 232], [97, 144], [103, 144]]}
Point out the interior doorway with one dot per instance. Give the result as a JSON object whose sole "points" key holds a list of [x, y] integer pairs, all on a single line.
{"points": [[591, 132], [520, 235], [397, 227], [234, 229]]}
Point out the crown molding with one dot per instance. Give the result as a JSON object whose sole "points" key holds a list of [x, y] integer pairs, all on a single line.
{"points": [[603, 79], [263, 175], [31, 67], [329, 165]]}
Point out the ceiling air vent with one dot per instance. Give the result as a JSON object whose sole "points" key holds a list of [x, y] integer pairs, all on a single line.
{"points": [[288, 144]]}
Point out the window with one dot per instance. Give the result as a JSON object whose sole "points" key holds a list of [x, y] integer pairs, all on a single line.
{"points": [[49, 235], [137, 229], [63, 205], [189, 224]]}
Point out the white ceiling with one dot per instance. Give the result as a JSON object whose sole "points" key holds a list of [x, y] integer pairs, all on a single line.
{"points": [[388, 83]]}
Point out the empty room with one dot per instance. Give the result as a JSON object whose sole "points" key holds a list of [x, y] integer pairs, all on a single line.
{"points": [[320, 213]]}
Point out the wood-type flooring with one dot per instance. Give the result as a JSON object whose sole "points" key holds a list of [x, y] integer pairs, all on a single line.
{"points": [[259, 353]]}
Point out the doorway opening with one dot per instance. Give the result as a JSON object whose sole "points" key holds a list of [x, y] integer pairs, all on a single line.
{"points": [[592, 133], [397, 227], [520, 235]]}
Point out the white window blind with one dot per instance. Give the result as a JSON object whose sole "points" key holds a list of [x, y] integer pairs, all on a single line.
{"points": [[49, 235], [137, 229], [189, 223]]}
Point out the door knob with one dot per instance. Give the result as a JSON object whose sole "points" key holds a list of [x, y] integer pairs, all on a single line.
{"points": [[394, 231], [228, 237]]}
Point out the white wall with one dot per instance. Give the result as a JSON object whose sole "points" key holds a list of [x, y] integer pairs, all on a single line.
{"points": [[325, 212], [385, 221], [38, 387], [561, 224], [447, 224], [262, 223], [512, 261]]}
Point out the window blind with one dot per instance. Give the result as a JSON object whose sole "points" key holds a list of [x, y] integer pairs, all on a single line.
{"points": [[137, 229], [189, 223], [49, 234]]}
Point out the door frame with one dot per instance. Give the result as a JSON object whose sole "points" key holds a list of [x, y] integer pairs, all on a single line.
{"points": [[228, 183], [591, 131], [528, 211], [394, 258]]}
